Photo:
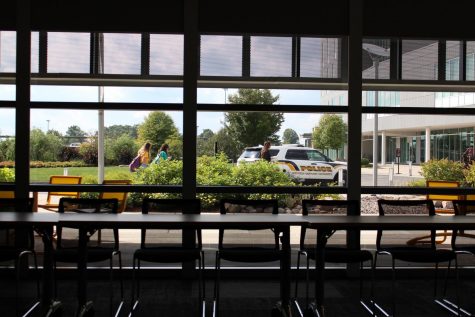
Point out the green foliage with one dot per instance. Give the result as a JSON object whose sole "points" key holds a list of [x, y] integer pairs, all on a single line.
{"points": [[470, 175], [290, 137], [88, 151], [165, 173], [226, 144], [7, 150], [364, 162], [252, 128], [156, 129], [261, 173], [175, 147], [417, 183], [75, 134], [330, 132], [44, 147], [214, 170], [69, 153], [117, 130], [443, 170], [121, 150], [7, 175]]}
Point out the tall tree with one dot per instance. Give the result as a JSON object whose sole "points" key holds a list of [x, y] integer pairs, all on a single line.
{"points": [[116, 130], [202, 143], [75, 134], [290, 137], [156, 128], [252, 128], [330, 132]]}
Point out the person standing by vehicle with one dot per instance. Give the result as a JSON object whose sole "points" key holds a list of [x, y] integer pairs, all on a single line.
{"points": [[265, 154], [144, 154], [162, 154]]}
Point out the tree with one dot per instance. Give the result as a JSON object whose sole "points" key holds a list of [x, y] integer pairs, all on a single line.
{"points": [[75, 134], [290, 137], [117, 130], [121, 150], [156, 129], [330, 132], [226, 144], [252, 128], [44, 147], [203, 143]]}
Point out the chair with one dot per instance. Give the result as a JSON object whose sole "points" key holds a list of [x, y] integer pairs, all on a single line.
{"points": [[17, 249], [335, 252], [166, 246], [67, 243], [259, 245], [439, 210], [120, 196], [426, 253], [7, 194], [53, 197], [463, 242]]}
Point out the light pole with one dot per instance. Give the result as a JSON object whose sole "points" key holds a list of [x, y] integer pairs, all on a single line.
{"points": [[47, 125], [225, 95], [377, 54]]}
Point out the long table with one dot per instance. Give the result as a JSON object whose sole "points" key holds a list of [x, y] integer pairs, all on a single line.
{"points": [[323, 223]]}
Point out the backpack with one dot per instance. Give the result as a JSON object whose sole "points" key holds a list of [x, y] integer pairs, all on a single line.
{"points": [[134, 164]]}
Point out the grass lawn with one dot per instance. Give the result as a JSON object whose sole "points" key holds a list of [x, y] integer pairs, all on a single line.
{"points": [[43, 174]]}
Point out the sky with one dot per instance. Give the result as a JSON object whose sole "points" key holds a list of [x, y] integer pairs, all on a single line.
{"points": [[219, 56]]}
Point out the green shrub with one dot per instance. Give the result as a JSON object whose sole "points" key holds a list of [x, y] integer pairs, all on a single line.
{"points": [[7, 150], [69, 153], [88, 151], [44, 147], [443, 170], [7, 175], [470, 175], [121, 150], [364, 162]]}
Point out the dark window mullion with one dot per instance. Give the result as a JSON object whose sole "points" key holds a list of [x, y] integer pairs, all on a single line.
{"points": [[43, 53], [463, 61], [296, 42], [246, 56], [441, 74], [395, 59], [145, 54]]}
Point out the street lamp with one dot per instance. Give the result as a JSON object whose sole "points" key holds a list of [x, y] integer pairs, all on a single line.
{"points": [[47, 125], [377, 54]]}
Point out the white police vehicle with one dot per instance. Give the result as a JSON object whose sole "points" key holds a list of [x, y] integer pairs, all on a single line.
{"points": [[303, 164]]}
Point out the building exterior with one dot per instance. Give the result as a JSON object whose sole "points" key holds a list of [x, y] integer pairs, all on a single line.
{"points": [[419, 138]]}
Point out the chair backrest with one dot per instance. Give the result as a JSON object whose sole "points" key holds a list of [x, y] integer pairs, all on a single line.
{"points": [[63, 180], [463, 238], [7, 194], [120, 196], [404, 207], [443, 197], [89, 206], [16, 205], [168, 206], [236, 206], [326, 207]]}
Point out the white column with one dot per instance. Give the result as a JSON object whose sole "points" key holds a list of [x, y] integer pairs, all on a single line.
{"points": [[427, 144], [418, 149], [383, 147]]}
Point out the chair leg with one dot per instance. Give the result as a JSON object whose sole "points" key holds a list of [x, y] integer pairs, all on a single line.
{"points": [[135, 287], [35, 262], [393, 286], [111, 287], [436, 277], [201, 284], [17, 284], [307, 283], [216, 284], [297, 274]]}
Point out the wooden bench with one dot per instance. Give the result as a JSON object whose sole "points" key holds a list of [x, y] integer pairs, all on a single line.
{"points": [[52, 200]]}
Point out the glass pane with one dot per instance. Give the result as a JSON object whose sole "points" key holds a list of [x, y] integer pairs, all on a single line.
{"points": [[452, 64], [412, 141], [166, 54], [68, 52], [320, 57], [221, 55], [7, 51], [420, 59], [122, 53], [376, 58], [271, 56], [7, 147]]}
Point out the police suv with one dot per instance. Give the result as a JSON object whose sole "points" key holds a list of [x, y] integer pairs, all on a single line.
{"points": [[303, 164]]}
